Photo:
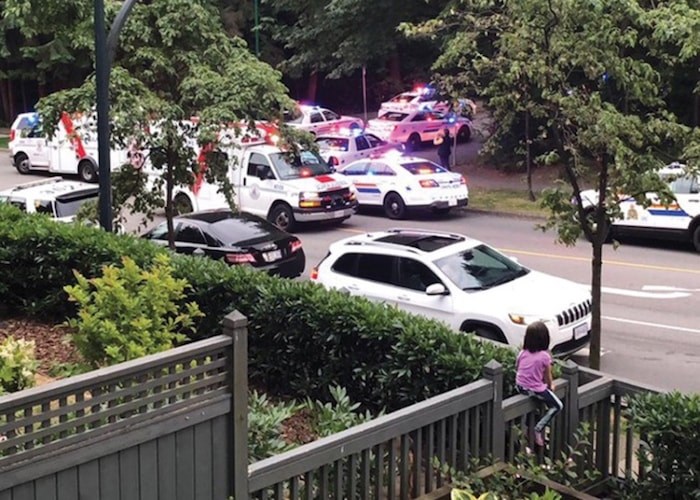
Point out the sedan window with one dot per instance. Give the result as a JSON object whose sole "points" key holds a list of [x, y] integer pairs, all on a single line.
{"points": [[393, 116], [361, 143], [316, 117], [374, 141], [377, 168], [330, 115], [332, 143], [359, 168], [190, 234]]}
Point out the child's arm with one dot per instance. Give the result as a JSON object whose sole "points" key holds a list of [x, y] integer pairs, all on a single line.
{"points": [[548, 377]]}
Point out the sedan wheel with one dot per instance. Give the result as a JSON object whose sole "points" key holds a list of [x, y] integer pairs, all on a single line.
{"points": [[394, 207]]}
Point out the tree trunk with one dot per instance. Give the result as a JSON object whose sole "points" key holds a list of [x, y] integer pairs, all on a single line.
{"points": [[395, 66], [528, 157], [312, 87], [4, 102], [169, 200], [11, 99]]}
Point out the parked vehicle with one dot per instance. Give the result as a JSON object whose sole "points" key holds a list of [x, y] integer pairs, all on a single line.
{"points": [[56, 197], [237, 239], [269, 183], [318, 120], [413, 127], [347, 145], [460, 281], [72, 149], [427, 97], [678, 220], [398, 183]]}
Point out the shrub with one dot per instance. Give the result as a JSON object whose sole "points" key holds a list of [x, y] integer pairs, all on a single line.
{"points": [[265, 420], [129, 312], [303, 339], [17, 365], [669, 426], [337, 416]]}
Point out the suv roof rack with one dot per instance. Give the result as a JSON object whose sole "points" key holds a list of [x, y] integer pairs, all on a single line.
{"points": [[393, 246], [430, 232], [40, 182]]}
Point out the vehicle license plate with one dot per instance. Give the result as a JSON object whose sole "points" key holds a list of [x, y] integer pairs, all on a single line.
{"points": [[452, 202], [272, 256], [580, 331]]}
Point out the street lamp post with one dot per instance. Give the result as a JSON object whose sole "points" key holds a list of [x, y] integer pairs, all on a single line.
{"points": [[105, 50], [256, 10]]}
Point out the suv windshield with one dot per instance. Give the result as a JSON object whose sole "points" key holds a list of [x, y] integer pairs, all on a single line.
{"points": [[308, 164], [479, 268]]}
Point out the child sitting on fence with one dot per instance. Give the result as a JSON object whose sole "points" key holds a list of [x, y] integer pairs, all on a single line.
{"points": [[534, 374]]}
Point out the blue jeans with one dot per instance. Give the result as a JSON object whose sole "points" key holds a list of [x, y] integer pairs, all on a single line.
{"points": [[554, 405]]}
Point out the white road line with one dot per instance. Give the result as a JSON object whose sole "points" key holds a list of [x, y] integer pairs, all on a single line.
{"points": [[644, 295], [664, 288], [655, 325]]}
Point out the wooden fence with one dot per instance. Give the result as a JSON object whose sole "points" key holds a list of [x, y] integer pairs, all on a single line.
{"points": [[174, 426]]}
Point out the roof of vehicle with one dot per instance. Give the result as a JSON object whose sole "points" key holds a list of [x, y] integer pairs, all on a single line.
{"points": [[410, 240], [217, 215], [55, 187]]}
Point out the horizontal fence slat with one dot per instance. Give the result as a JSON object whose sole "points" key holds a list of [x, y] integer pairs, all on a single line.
{"points": [[270, 471], [595, 391], [104, 376]]}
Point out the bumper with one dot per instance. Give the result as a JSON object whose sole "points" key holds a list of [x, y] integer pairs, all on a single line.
{"points": [[321, 214], [442, 204], [288, 268], [569, 347]]}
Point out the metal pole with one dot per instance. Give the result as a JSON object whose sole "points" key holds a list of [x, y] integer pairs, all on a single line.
{"points": [[364, 90], [103, 148], [257, 28]]}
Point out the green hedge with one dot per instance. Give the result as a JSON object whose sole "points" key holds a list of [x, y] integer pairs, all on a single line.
{"points": [[302, 338]]}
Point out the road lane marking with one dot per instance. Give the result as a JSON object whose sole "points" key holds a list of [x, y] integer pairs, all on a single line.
{"points": [[664, 288], [612, 262], [655, 325], [642, 294]]}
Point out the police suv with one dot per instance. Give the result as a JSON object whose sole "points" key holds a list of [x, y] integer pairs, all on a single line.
{"points": [[678, 220], [55, 197]]}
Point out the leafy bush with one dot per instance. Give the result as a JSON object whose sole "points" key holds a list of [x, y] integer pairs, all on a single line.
{"points": [[669, 425], [337, 416], [303, 339], [129, 312], [265, 420], [17, 365]]}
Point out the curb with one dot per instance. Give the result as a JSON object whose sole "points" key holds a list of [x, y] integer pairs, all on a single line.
{"points": [[517, 215]]}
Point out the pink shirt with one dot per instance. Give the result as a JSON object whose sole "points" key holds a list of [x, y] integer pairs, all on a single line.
{"points": [[531, 368]]}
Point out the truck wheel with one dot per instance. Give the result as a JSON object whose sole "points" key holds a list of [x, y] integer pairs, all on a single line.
{"points": [[696, 237], [464, 134], [414, 143], [281, 215], [182, 204], [22, 163], [87, 172], [394, 207]]}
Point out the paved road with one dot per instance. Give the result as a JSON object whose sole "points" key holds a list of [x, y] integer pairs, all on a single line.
{"points": [[651, 302]]}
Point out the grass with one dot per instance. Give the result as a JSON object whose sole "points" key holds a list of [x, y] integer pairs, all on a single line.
{"points": [[506, 201], [4, 140]]}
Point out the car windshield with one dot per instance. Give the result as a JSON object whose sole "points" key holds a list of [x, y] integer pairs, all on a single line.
{"points": [[392, 116], [480, 268], [403, 98], [308, 164]]}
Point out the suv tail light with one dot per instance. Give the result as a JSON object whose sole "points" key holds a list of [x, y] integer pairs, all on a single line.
{"points": [[239, 258], [295, 245], [428, 183], [463, 180], [12, 135], [314, 273]]}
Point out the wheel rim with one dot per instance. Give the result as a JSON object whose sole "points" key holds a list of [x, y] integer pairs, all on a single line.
{"points": [[182, 205], [282, 219], [696, 238], [463, 134], [87, 172], [393, 206], [415, 142], [24, 165]]}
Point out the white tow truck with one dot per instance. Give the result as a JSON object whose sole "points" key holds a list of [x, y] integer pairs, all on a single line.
{"points": [[267, 182]]}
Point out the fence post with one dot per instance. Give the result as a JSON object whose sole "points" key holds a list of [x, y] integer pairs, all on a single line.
{"points": [[235, 326], [493, 371], [569, 372]]}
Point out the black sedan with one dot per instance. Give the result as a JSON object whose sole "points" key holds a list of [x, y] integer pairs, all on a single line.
{"points": [[236, 238]]}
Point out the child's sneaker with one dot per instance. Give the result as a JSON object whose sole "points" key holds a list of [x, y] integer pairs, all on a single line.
{"points": [[539, 438]]}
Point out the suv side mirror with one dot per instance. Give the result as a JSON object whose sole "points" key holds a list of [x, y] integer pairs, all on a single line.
{"points": [[436, 289]]}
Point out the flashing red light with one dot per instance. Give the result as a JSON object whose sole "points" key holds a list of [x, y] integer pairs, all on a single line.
{"points": [[463, 180], [12, 135], [314, 273], [428, 183], [295, 246], [305, 172], [239, 258]]}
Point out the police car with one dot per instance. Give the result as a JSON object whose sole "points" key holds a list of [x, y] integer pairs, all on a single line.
{"points": [[413, 127], [319, 120], [678, 220], [341, 148], [425, 97], [55, 197], [397, 182]]}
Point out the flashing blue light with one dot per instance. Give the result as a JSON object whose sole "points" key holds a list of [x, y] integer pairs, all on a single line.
{"points": [[605, 76]]}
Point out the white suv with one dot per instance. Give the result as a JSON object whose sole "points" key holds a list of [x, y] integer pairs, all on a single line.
{"points": [[460, 281], [55, 197]]}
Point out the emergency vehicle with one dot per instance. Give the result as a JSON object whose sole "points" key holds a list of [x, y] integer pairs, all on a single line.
{"points": [[340, 148], [55, 197], [267, 182], [415, 126], [425, 97], [319, 120], [677, 220], [72, 149], [398, 183]]}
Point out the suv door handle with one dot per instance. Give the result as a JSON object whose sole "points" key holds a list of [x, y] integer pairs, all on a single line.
{"points": [[405, 298]]}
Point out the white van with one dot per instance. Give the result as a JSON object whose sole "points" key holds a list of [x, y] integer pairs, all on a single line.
{"points": [[72, 149], [267, 183]]}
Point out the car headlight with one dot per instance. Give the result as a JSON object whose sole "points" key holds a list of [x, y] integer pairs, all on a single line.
{"points": [[526, 319]]}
